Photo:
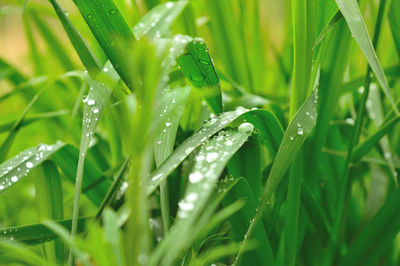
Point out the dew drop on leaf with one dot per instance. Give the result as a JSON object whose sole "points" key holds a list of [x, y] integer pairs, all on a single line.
{"points": [[246, 127], [300, 131], [197, 77], [204, 62]]}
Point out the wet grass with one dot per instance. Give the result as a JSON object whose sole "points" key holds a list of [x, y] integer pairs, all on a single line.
{"points": [[191, 133]]}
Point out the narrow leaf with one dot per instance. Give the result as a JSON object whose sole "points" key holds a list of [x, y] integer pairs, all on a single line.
{"points": [[18, 167], [355, 21]]}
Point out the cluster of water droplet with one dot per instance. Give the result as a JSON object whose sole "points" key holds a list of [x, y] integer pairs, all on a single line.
{"points": [[304, 128], [214, 123], [94, 104], [12, 170], [209, 163], [150, 21], [224, 183], [8, 233]]}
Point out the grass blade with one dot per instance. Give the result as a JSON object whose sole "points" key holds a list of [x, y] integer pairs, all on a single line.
{"points": [[5, 147], [49, 194], [355, 21], [94, 184], [294, 137], [18, 167], [36, 233], [157, 22], [112, 33], [33, 118], [198, 67], [202, 180], [87, 57], [364, 147], [382, 229]]}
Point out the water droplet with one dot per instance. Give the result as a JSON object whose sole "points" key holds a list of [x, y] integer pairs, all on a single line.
{"points": [[90, 16], [1, 187], [350, 121], [291, 138], [95, 110], [29, 164], [212, 156], [210, 122], [186, 206], [169, 5], [204, 62], [85, 98], [191, 197], [246, 127], [91, 102], [300, 131], [197, 77], [113, 11], [168, 124], [159, 142], [14, 179], [195, 177], [105, 69]]}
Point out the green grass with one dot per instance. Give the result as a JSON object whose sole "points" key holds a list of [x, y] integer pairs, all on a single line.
{"points": [[213, 132]]}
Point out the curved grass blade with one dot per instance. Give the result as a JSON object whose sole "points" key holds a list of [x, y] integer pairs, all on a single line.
{"points": [[53, 43], [13, 253], [294, 137], [210, 161], [240, 221], [363, 148], [211, 127], [95, 185], [268, 126], [354, 19], [111, 234], [334, 20], [198, 67], [18, 167], [33, 118], [94, 107], [36, 233], [171, 109], [5, 147], [86, 55], [112, 33], [157, 22], [394, 21], [13, 74], [63, 233], [49, 194], [373, 239], [112, 192]]}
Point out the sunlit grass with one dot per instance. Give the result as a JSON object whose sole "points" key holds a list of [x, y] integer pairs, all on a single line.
{"points": [[213, 132]]}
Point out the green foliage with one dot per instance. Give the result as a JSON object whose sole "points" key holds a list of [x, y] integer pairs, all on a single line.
{"points": [[200, 132]]}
